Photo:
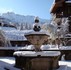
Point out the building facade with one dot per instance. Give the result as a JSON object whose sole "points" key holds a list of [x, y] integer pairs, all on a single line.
{"points": [[61, 12], [61, 17]]}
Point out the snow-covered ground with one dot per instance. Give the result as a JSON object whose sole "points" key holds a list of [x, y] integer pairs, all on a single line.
{"points": [[7, 63], [64, 65]]}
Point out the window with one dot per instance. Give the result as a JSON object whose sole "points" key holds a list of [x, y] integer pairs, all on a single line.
{"points": [[0, 24]]}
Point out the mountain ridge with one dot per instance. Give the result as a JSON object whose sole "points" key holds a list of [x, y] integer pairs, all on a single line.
{"points": [[17, 18], [24, 22]]}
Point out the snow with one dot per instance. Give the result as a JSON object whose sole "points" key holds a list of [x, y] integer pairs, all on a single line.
{"points": [[33, 53], [16, 34], [37, 32], [69, 1], [9, 62], [13, 48], [17, 18], [67, 35], [7, 28], [30, 47], [11, 33], [49, 47], [44, 47], [65, 65], [65, 48], [54, 47]]}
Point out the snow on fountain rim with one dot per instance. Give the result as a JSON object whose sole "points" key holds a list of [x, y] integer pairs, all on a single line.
{"points": [[33, 53], [37, 32]]}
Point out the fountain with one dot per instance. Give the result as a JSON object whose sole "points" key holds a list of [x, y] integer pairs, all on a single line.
{"points": [[37, 59]]}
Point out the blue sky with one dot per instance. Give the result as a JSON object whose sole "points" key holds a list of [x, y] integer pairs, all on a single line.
{"points": [[40, 8]]}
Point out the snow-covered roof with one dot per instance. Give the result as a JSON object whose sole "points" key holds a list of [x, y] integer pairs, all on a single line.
{"points": [[15, 35], [11, 33]]}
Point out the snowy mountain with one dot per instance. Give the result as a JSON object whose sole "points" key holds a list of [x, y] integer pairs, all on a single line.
{"points": [[20, 21], [16, 18]]}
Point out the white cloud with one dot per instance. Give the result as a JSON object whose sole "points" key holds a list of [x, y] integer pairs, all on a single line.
{"points": [[4, 10]]}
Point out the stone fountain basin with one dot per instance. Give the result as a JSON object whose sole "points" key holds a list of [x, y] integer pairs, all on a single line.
{"points": [[37, 38], [31, 60]]}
